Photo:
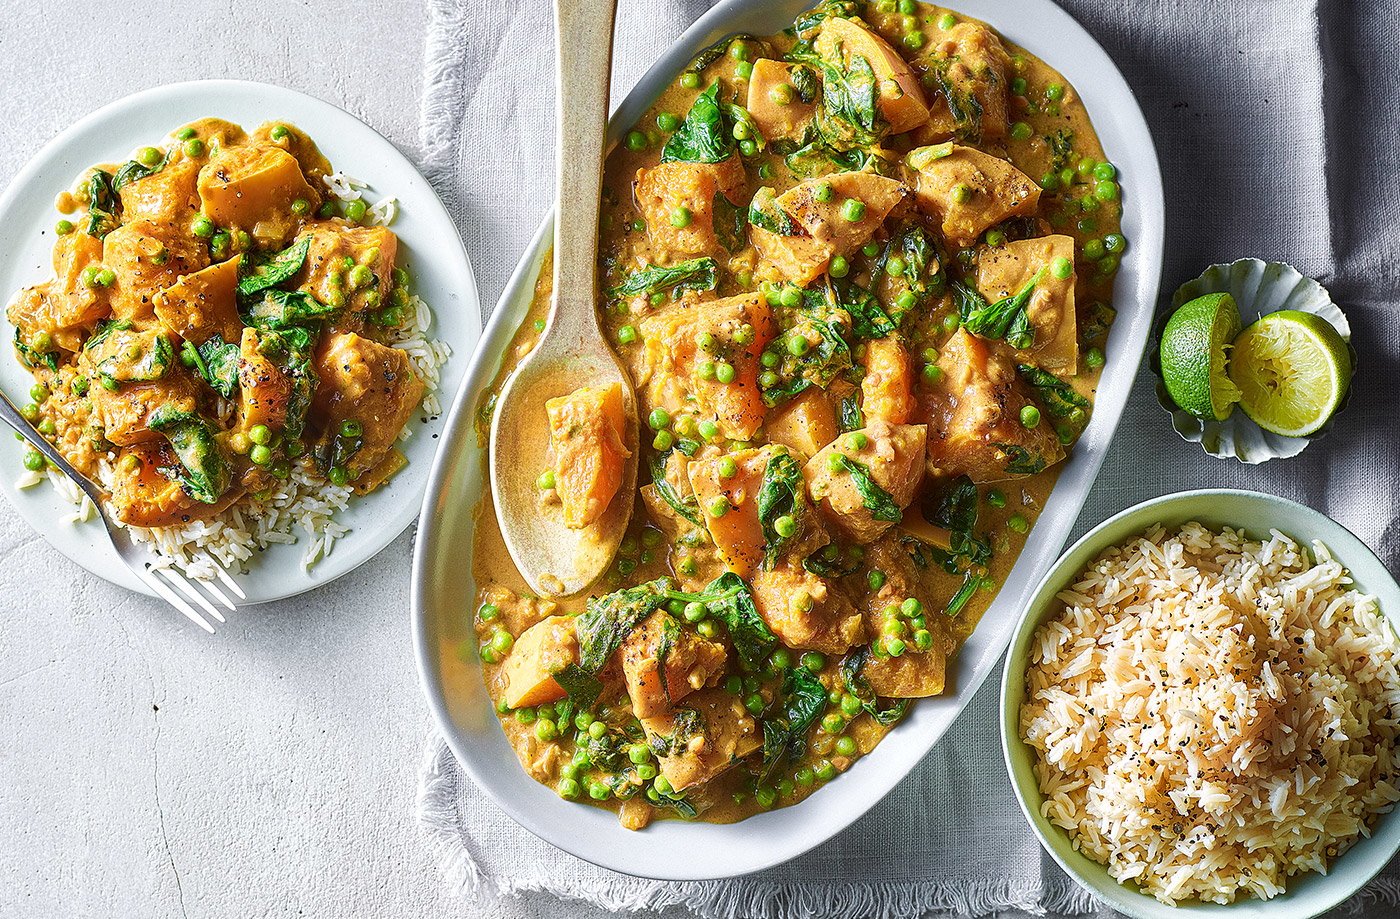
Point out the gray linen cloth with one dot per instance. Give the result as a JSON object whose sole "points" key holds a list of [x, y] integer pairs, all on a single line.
{"points": [[1276, 126]]}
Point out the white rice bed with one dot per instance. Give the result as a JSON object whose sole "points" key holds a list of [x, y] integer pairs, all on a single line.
{"points": [[306, 502], [1211, 716]]}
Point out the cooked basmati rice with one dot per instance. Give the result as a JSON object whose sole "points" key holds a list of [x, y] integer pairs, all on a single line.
{"points": [[1212, 715], [306, 501]]}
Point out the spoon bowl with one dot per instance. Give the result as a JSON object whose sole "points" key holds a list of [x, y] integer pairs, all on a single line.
{"points": [[557, 560]]}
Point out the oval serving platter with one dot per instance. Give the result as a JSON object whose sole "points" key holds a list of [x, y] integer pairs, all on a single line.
{"points": [[427, 235], [442, 591]]}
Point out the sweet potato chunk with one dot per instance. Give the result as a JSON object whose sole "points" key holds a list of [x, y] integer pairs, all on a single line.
{"points": [[914, 674], [202, 304], [663, 663], [780, 120], [969, 190], [1005, 270], [862, 506], [371, 383], [64, 308], [539, 652], [805, 423], [703, 738], [265, 392], [252, 187], [125, 411], [901, 102], [666, 187], [142, 496], [167, 196], [974, 416], [670, 367], [586, 437], [736, 533], [148, 257], [336, 245], [974, 67], [887, 387], [805, 610], [827, 224]]}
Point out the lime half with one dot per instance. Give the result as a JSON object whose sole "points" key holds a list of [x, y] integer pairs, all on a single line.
{"points": [[1292, 369], [1193, 349]]}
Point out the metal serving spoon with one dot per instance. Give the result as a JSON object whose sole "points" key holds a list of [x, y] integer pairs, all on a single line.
{"points": [[572, 351]]}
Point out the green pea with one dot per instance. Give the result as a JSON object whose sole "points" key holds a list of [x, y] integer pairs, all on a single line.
{"points": [[568, 788], [870, 249], [839, 267], [790, 297], [1115, 242], [338, 475], [184, 134], [695, 611], [663, 441], [626, 335], [1055, 92], [1106, 191], [876, 579], [707, 370], [767, 379], [667, 122], [857, 440], [728, 469], [546, 730], [690, 80], [34, 461], [1087, 225], [1108, 264], [106, 277], [962, 193], [833, 723], [905, 300], [546, 480], [797, 345], [853, 210], [658, 419], [1018, 523], [63, 227], [1105, 172], [681, 217], [932, 373], [149, 156], [194, 148], [1093, 358], [781, 94], [765, 171], [1094, 249], [743, 70], [781, 659], [1030, 416], [785, 526], [708, 629], [1018, 86], [770, 359], [1021, 131], [636, 141], [718, 507], [355, 210], [724, 372], [1061, 267], [996, 498], [260, 454], [599, 791], [687, 566], [537, 325], [947, 21], [260, 434], [823, 192], [825, 771], [708, 429], [747, 147], [489, 612]]}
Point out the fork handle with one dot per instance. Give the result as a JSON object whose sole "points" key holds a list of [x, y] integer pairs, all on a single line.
{"points": [[11, 416]]}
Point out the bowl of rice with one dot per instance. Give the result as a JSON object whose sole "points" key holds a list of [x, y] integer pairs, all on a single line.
{"points": [[1199, 709]]}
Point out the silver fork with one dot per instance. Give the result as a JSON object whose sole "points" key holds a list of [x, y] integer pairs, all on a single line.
{"points": [[140, 560]]}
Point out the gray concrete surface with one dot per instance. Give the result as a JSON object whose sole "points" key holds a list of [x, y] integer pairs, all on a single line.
{"points": [[146, 769]]}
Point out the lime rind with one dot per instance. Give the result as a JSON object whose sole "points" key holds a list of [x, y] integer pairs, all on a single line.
{"points": [[1258, 287], [1193, 351]]}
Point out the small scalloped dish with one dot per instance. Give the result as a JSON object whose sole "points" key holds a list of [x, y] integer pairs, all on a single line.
{"points": [[1259, 288]]}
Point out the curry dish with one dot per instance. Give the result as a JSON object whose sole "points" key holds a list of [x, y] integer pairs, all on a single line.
{"points": [[220, 320], [860, 272]]}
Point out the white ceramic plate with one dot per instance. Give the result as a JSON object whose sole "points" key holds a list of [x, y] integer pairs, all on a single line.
{"points": [[429, 246], [443, 590]]}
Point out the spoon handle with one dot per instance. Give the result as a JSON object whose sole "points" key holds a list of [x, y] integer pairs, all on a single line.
{"points": [[583, 47]]}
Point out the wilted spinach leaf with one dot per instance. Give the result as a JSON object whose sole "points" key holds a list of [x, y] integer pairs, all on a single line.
{"points": [[1056, 395], [857, 686], [778, 496], [1006, 319], [879, 502], [703, 137], [785, 730], [275, 269], [695, 274]]}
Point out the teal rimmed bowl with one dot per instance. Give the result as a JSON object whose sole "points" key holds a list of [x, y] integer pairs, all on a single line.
{"points": [[1307, 895]]}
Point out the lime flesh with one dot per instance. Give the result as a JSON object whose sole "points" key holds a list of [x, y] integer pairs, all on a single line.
{"points": [[1194, 355], [1292, 369]]}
